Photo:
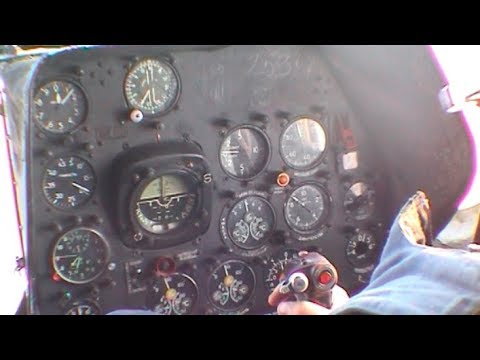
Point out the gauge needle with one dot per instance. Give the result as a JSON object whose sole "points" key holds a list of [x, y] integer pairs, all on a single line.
{"points": [[147, 95], [226, 270], [70, 93], [246, 206], [76, 263], [66, 256], [166, 283], [300, 203], [81, 188], [230, 152], [153, 96], [68, 175]]}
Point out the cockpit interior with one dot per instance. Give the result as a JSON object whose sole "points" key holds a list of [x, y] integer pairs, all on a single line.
{"points": [[182, 178]]}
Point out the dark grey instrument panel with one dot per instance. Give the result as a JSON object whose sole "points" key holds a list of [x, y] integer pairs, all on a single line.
{"points": [[181, 180]]}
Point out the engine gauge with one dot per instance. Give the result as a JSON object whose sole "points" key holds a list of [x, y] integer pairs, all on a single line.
{"points": [[68, 182], [307, 208], [59, 107], [152, 86], [360, 201], [250, 222], [362, 249], [274, 273], [84, 307], [231, 285], [80, 256], [165, 203], [176, 294], [303, 143], [245, 152]]}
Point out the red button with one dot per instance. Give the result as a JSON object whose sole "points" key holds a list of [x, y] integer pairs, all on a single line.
{"points": [[325, 277], [56, 277], [283, 179]]}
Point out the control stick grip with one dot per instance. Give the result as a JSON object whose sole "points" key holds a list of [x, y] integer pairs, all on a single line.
{"points": [[310, 277]]}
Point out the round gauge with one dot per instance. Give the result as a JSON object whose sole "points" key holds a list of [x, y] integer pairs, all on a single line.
{"points": [[276, 266], [80, 256], [306, 208], [84, 307], [68, 182], [250, 222], [231, 285], [362, 249], [360, 201], [152, 86], [59, 107], [245, 152], [165, 203], [173, 295], [303, 143]]}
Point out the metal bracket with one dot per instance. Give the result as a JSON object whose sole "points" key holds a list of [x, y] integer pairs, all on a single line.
{"points": [[20, 264], [453, 100]]}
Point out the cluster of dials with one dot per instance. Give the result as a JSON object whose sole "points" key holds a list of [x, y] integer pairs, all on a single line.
{"points": [[231, 286], [60, 107], [166, 202], [152, 87]]}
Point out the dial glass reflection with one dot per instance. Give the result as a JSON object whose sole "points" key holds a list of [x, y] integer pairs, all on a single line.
{"points": [[245, 153], [360, 201], [303, 143]]}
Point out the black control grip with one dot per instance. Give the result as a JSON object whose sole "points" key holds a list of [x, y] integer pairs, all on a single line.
{"points": [[321, 274]]}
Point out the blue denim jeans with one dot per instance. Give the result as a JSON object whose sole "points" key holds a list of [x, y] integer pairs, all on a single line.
{"points": [[412, 278]]}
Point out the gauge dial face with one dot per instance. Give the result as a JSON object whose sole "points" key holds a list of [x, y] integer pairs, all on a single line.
{"points": [[80, 256], [306, 208], [176, 294], [245, 152], [231, 285], [360, 201], [276, 266], [152, 86], [303, 144], [362, 249], [250, 222], [165, 203], [68, 182], [85, 307], [59, 107]]}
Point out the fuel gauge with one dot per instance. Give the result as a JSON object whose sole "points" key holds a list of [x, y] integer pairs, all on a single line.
{"points": [[231, 285], [176, 294]]}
